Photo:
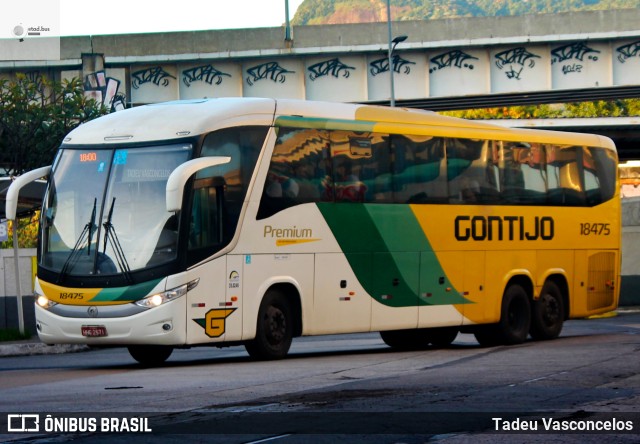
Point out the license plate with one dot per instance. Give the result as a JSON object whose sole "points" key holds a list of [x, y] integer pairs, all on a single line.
{"points": [[94, 331]]}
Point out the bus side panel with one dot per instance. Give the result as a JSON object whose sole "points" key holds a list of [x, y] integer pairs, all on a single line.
{"points": [[262, 271], [500, 268], [439, 291], [340, 304], [390, 283], [207, 314], [554, 262]]}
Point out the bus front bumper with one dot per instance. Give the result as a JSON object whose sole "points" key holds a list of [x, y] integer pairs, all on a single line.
{"points": [[162, 325]]}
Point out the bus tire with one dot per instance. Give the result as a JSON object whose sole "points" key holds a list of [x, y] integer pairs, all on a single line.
{"points": [[412, 339], [547, 313], [487, 335], [515, 319], [150, 355], [441, 337], [274, 329]]}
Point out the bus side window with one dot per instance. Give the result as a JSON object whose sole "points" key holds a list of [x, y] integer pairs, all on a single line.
{"points": [[219, 191], [466, 166], [525, 173], [298, 172], [601, 186], [418, 169], [565, 181]]}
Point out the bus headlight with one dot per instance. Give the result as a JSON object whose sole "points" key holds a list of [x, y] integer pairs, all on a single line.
{"points": [[44, 301], [158, 299]]}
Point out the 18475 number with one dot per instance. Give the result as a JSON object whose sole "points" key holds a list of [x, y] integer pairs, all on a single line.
{"points": [[595, 229]]}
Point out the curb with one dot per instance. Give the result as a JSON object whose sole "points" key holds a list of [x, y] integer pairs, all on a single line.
{"points": [[39, 348]]}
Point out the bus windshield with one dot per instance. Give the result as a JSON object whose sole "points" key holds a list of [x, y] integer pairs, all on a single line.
{"points": [[105, 210]]}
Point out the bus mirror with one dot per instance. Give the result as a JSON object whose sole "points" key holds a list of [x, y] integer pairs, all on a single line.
{"points": [[179, 176], [11, 205]]}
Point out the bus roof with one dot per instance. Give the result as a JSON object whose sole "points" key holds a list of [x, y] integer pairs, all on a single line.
{"points": [[186, 118]]}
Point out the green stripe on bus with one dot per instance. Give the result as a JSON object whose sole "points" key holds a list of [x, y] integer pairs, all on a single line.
{"points": [[389, 253], [130, 293]]}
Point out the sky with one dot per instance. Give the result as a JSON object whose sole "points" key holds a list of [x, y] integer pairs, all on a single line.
{"points": [[90, 17]]}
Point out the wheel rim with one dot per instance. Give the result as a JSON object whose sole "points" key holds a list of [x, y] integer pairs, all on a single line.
{"points": [[550, 310], [276, 325]]}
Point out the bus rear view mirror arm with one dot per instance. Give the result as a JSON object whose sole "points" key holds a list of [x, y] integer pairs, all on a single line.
{"points": [[11, 206], [179, 177]]}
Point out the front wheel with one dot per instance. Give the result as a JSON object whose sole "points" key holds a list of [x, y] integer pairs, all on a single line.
{"points": [[274, 330], [441, 337], [547, 313], [150, 355]]}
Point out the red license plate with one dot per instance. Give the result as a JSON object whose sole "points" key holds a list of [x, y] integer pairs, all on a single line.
{"points": [[94, 331]]}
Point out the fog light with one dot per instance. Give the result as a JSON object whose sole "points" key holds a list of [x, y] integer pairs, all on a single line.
{"points": [[167, 327]]}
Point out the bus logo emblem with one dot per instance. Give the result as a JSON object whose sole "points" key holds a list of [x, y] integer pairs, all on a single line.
{"points": [[214, 322]]}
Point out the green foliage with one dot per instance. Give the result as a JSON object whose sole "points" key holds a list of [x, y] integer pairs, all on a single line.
{"points": [[27, 232], [13, 334], [600, 108], [316, 12], [35, 115]]}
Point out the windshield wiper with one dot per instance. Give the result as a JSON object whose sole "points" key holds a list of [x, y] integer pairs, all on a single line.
{"points": [[85, 235], [111, 237]]}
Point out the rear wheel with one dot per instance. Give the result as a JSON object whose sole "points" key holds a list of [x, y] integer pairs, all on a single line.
{"points": [[150, 355], [274, 331], [515, 320], [547, 313]]}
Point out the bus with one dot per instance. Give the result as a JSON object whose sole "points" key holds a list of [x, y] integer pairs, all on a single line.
{"points": [[252, 221]]}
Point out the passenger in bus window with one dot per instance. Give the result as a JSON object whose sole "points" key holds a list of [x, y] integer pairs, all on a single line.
{"points": [[348, 186]]}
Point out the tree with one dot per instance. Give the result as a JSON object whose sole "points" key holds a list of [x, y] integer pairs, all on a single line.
{"points": [[35, 115]]}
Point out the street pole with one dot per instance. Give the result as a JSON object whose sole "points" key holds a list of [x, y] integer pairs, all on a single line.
{"points": [[11, 208], [287, 29], [391, 80], [17, 271]]}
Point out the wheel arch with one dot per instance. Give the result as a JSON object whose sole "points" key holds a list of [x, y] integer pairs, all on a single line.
{"points": [[291, 292], [524, 279]]}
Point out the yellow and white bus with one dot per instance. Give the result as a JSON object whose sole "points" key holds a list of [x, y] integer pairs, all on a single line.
{"points": [[254, 221]]}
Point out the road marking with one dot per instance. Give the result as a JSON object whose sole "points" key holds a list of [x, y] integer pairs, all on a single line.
{"points": [[268, 439]]}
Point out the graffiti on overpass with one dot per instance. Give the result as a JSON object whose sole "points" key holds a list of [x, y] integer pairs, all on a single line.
{"points": [[515, 60], [626, 52], [333, 67], [155, 75], [571, 54], [400, 65], [205, 73], [267, 71], [452, 59], [104, 90]]}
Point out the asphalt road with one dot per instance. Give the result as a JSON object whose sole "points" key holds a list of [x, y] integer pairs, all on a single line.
{"points": [[347, 387]]}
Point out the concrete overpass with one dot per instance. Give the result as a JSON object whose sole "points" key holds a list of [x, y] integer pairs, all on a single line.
{"points": [[443, 64]]}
